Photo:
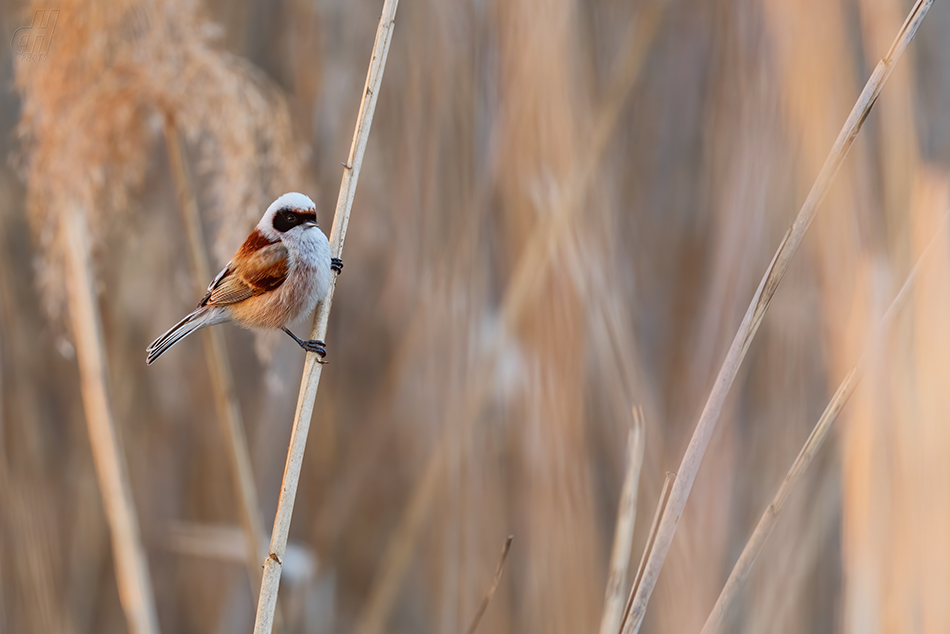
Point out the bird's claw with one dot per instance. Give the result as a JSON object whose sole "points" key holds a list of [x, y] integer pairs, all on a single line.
{"points": [[315, 346], [336, 264]]}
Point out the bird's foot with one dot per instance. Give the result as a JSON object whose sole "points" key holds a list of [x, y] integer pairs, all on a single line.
{"points": [[336, 264], [316, 346], [310, 345]]}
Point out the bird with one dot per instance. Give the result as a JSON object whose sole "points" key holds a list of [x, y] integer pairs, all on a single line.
{"points": [[279, 274]]}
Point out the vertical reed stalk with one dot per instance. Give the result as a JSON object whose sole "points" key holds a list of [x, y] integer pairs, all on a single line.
{"points": [[760, 304], [219, 366], [615, 600], [312, 367], [131, 564]]}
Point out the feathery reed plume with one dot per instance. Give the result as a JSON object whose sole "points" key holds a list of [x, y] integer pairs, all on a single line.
{"points": [[85, 132], [118, 66], [614, 601], [759, 305], [310, 381]]}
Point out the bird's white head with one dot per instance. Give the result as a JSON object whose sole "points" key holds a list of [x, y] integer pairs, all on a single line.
{"points": [[288, 217]]}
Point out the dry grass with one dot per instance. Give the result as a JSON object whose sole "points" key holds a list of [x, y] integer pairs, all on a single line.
{"points": [[774, 274], [814, 442], [563, 210], [85, 131]]}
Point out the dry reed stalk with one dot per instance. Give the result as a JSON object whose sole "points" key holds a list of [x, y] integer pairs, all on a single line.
{"points": [[764, 528], [899, 156], [85, 132], [131, 564], [810, 449], [531, 265], [846, 248], [219, 367], [492, 587], [759, 305], [615, 599], [883, 533], [647, 548], [312, 367]]}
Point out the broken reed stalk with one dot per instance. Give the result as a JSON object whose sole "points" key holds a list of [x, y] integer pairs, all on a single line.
{"points": [[131, 563], [759, 305], [312, 367], [219, 367], [615, 599], [492, 587], [806, 456]]}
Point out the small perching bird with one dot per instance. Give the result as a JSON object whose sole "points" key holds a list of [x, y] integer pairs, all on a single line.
{"points": [[278, 275]]}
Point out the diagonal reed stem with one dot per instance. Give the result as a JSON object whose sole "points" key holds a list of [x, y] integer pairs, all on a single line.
{"points": [[648, 546], [816, 438], [500, 568], [312, 368], [757, 308]]}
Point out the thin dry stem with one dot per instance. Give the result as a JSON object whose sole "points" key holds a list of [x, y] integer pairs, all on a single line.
{"points": [[492, 587], [759, 305], [131, 564], [626, 625], [764, 528], [219, 367], [312, 368], [810, 449], [615, 599]]}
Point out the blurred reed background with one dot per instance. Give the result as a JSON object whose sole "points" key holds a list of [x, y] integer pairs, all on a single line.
{"points": [[564, 211]]}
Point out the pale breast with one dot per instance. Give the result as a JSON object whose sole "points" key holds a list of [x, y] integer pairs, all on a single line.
{"points": [[307, 283]]}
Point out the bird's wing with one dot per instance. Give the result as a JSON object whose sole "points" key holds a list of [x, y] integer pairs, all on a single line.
{"points": [[248, 275]]}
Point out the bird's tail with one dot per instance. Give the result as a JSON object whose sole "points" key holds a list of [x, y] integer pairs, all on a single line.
{"points": [[204, 316]]}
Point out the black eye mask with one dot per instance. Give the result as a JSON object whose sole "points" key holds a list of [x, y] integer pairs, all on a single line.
{"points": [[287, 219]]}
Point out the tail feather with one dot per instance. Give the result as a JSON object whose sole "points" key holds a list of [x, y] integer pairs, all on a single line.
{"points": [[205, 316]]}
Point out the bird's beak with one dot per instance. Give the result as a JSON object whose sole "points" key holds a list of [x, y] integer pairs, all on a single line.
{"points": [[309, 224]]}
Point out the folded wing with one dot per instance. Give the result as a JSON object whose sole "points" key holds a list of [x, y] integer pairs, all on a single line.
{"points": [[249, 274]]}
